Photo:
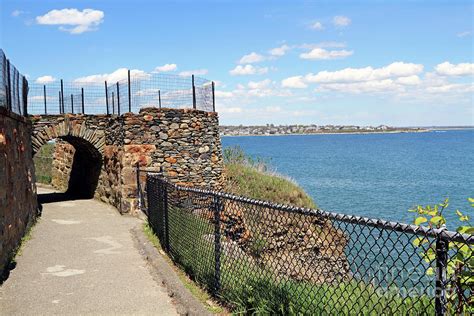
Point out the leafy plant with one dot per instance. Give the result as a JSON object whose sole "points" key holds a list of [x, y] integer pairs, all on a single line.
{"points": [[460, 267]]}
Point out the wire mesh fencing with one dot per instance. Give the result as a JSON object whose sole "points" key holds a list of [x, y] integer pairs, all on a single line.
{"points": [[134, 90], [259, 257], [13, 87]]}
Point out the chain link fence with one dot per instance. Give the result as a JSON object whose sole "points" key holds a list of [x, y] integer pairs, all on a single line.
{"points": [[13, 87], [259, 257], [135, 91]]}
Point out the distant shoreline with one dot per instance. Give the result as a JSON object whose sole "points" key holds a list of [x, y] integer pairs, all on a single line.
{"points": [[336, 133]]}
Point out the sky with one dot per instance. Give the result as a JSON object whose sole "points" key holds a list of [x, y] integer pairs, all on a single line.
{"points": [[399, 63]]}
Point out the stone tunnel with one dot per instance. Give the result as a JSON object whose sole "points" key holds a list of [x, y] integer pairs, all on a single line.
{"points": [[96, 155]]}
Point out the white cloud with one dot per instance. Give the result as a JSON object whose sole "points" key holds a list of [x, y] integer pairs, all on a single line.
{"points": [[294, 82], [386, 85], [279, 51], [224, 94], [17, 13], [81, 21], [45, 79], [464, 34], [396, 69], [166, 68], [248, 70], [452, 88], [117, 75], [321, 53], [251, 58], [230, 110], [259, 84], [196, 72], [409, 80], [272, 109], [448, 69], [323, 45], [341, 21], [318, 26]]}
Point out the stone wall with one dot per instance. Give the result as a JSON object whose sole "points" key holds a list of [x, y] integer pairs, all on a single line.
{"points": [[18, 204], [62, 164], [184, 144]]}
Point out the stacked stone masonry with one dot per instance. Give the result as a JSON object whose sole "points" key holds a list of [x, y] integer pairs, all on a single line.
{"points": [[96, 155], [18, 205]]}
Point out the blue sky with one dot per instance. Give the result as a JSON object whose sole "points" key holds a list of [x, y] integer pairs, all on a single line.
{"points": [[283, 62]]}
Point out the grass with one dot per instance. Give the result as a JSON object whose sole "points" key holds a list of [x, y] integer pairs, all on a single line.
{"points": [[191, 286], [253, 178], [26, 237], [43, 163], [249, 288]]}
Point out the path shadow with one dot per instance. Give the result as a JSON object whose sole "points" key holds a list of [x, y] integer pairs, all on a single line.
{"points": [[6, 271], [44, 198]]}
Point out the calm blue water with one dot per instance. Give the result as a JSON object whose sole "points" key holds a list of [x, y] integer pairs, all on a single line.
{"points": [[378, 175]]}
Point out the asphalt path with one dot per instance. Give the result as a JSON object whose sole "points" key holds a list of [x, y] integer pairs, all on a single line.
{"points": [[81, 260]]}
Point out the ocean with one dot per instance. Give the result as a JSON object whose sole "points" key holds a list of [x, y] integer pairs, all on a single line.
{"points": [[374, 175]]}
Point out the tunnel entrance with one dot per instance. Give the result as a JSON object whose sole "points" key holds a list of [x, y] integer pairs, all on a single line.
{"points": [[85, 169], [75, 167]]}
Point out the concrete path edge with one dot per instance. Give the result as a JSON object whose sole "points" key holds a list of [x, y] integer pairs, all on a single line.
{"points": [[164, 274]]}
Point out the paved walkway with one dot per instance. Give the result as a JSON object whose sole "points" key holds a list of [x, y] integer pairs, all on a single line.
{"points": [[82, 260]]}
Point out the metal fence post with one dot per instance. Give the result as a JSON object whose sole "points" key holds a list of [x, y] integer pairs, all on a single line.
{"points": [[217, 243], [106, 98], [59, 99], [82, 100], [118, 99], [129, 94], [72, 103], [17, 75], [441, 277], [194, 93], [213, 98], [25, 95], [138, 186], [62, 95], [159, 98], [113, 103], [165, 217], [9, 87], [45, 105]]}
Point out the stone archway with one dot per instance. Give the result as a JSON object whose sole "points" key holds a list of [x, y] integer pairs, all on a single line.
{"points": [[78, 168], [62, 127]]}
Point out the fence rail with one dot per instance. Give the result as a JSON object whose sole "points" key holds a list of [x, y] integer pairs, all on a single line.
{"points": [[257, 256], [13, 87], [134, 91]]}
